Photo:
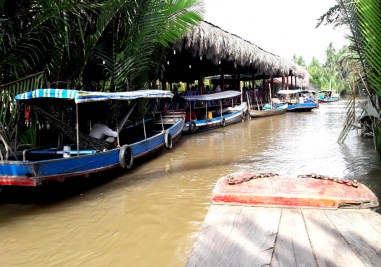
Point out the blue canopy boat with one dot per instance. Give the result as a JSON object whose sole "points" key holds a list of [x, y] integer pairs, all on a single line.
{"points": [[297, 100], [78, 154], [327, 96], [213, 110]]}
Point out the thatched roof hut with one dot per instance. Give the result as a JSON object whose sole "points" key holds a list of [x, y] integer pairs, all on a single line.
{"points": [[208, 50]]}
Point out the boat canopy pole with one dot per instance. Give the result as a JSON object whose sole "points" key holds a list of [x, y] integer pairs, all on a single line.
{"points": [[144, 128], [121, 124], [77, 123], [161, 117], [248, 100], [221, 108], [124, 120], [206, 111]]}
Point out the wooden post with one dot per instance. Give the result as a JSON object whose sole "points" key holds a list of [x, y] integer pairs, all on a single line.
{"points": [[272, 87], [164, 84], [287, 83], [222, 82], [263, 88], [283, 82], [200, 85]]}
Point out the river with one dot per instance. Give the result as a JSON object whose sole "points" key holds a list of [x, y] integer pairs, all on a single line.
{"points": [[151, 215]]}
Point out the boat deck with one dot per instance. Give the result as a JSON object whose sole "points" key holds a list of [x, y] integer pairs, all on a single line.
{"points": [[265, 220], [259, 236]]}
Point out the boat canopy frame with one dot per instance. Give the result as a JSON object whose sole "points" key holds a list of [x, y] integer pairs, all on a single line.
{"points": [[87, 97]]}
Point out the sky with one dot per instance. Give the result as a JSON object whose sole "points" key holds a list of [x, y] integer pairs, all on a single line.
{"points": [[284, 28]]}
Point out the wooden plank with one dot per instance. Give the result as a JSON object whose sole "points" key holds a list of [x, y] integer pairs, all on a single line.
{"points": [[357, 229], [236, 236], [329, 246], [292, 246]]}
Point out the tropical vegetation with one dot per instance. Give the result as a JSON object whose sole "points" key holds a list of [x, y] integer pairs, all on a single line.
{"points": [[363, 18], [333, 73], [114, 45]]}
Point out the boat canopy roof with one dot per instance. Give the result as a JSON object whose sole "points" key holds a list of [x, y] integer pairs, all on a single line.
{"points": [[327, 90], [289, 92], [85, 96], [211, 97]]}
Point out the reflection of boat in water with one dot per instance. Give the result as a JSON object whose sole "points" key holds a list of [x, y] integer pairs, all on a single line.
{"points": [[72, 153], [213, 110], [297, 100], [269, 110], [327, 96]]}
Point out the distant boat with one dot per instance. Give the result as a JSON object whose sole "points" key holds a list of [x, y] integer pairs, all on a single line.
{"points": [[297, 100], [83, 155], [213, 110], [327, 96], [268, 110]]}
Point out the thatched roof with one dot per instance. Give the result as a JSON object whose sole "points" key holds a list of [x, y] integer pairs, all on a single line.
{"points": [[220, 48]]}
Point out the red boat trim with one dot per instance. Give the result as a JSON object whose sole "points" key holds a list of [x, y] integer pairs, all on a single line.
{"points": [[293, 192], [35, 181]]}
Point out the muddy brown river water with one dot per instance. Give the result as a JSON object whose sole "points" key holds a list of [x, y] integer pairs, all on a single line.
{"points": [[151, 215]]}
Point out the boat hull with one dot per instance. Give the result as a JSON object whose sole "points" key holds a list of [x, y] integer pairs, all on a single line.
{"points": [[266, 113], [255, 190], [329, 100], [33, 173], [237, 114], [300, 107]]}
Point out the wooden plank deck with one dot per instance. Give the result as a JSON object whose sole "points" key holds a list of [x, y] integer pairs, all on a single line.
{"points": [[261, 236]]}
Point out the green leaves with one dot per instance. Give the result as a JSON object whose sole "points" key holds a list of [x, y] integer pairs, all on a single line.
{"points": [[84, 41], [364, 19]]}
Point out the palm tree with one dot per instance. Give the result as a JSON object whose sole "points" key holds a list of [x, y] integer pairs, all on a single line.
{"points": [[363, 17], [70, 38]]}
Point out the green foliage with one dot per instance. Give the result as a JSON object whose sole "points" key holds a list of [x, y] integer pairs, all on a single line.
{"points": [[300, 61], [334, 73], [363, 17], [28, 137], [87, 41]]}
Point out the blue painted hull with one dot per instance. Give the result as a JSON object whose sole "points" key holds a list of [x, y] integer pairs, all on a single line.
{"points": [[33, 173], [228, 118], [328, 100], [302, 106]]}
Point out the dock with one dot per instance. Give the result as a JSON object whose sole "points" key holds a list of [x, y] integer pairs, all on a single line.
{"points": [[236, 234]]}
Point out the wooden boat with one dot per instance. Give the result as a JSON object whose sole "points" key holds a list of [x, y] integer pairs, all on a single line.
{"points": [[297, 100], [272, 111], [204, 113], [327, 96], [317, 191], [266, 220], [82, 155]]}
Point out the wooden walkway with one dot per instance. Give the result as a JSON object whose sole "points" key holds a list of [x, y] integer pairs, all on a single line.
{"points": [[257, 236]]}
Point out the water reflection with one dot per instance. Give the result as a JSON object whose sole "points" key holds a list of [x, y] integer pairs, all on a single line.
{"points": [[151, 215]]}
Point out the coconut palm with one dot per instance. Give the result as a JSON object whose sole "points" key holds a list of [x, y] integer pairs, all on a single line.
{"points": [[72, 38], [363, 17]]}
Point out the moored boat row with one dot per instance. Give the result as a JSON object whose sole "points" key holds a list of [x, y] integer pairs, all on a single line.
{"points": [[65, 118]]}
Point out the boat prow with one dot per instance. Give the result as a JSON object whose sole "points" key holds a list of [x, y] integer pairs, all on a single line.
{"points": [[311, 191]]}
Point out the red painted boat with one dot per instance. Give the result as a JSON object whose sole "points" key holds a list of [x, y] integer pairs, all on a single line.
{"points": [[314, 191]]}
